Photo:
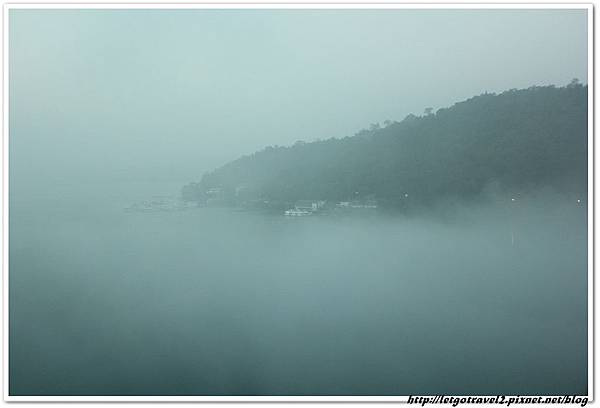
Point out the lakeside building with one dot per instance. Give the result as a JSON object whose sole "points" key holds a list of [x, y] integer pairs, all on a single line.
{"points": [[357, 204], [305, 207], [309, 205]]}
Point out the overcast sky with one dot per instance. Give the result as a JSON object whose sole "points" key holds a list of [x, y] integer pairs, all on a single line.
{"points": [[105, 95]]}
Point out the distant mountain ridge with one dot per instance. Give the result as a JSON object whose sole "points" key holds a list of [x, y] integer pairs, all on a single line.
{"points": [[517, 140]]}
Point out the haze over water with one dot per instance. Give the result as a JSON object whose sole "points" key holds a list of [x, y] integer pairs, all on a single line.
{"points": [[220, 302], [111, 107]]}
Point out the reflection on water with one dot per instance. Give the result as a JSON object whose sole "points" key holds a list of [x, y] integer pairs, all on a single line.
{"points": [[218, 302]]}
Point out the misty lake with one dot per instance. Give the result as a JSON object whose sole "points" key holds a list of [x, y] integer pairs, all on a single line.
{"points": [[214, 301]]}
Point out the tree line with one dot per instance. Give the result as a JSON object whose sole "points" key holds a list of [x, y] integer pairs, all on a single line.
{"points": [[517, 140]]}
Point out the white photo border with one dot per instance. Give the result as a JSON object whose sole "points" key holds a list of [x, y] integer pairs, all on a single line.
{"points": [[589, 7]]}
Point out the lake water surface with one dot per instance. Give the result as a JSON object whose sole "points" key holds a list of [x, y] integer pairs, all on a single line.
{"points": [[221, 302]]}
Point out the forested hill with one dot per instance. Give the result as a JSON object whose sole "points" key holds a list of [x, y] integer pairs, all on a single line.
{"points": [[517, 140]]}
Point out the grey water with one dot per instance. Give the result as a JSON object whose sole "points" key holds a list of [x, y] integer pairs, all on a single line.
{"points": [[491, 299]]}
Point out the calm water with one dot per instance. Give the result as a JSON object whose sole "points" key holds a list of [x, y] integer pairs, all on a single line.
{"points": [[218, 302]]}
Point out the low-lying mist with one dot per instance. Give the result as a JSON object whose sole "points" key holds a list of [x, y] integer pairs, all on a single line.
{"points": [[488, 298]]}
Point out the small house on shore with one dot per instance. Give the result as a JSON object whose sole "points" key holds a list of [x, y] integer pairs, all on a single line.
{"points": [[309, 205]]}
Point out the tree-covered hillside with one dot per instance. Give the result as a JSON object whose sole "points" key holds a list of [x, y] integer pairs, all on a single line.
{"points": [[517, 140]]}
